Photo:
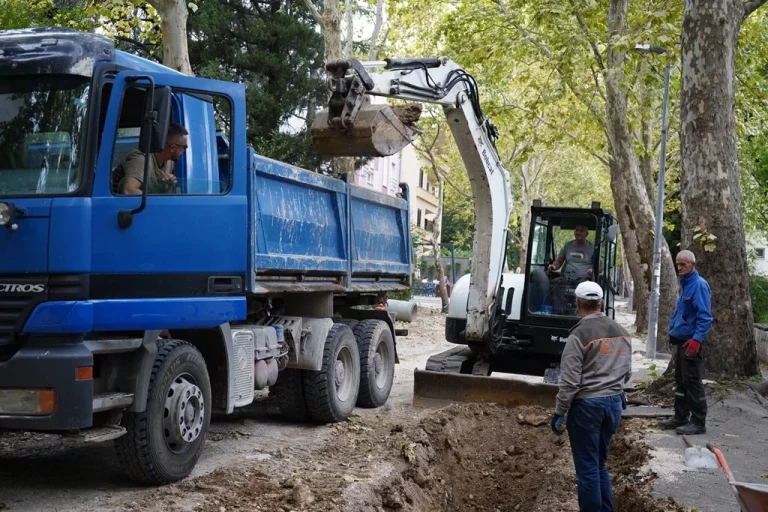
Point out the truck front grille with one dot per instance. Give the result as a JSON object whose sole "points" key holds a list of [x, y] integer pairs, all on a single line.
{"points": [[20, 294]]}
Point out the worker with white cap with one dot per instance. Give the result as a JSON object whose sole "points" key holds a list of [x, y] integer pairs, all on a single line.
{"points": [[596, 362]]}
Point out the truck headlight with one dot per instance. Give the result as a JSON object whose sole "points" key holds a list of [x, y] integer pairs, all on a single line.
{"points": [[27, 402], [6, 214]]}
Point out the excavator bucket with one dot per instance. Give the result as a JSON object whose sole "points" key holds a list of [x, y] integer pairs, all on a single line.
{"points": [[377, 130], [438, 389], [459, 375]]}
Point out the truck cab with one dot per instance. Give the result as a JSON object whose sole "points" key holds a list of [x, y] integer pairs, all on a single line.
{"points": [[133, 317]]}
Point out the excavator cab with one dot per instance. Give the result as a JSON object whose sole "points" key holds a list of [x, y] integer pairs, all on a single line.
{"points": [[584, 241]]}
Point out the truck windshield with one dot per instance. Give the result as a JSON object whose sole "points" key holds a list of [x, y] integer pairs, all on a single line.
{"points": [[42, 120]]}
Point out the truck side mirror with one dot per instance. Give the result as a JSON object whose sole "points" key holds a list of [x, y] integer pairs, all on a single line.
{"points": [[613, 230], [162, 118], [154, 127]]}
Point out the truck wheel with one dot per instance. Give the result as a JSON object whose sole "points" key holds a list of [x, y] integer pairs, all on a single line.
{"points": [[164, 442], [377, 362], [331, 393], [349, 322], [289, 390]]}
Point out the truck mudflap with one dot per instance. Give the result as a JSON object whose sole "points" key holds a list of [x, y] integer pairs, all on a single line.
{"points": [[54, 373]]}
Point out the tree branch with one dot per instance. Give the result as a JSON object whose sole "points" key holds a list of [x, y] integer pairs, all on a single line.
{"points": [[590, 39], [463, 194], [599, 117], [137, 44], [752, 6], [314, 12], [568, 134]]}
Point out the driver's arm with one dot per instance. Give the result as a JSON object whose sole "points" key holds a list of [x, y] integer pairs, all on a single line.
{"points": [[131, 186], [559, 261], [134, 173]]}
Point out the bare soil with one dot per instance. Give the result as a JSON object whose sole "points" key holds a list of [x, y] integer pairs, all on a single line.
{"points": [[463, 457]]}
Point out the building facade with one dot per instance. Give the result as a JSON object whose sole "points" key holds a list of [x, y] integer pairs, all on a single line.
{"points": [[756, 249], [385, 174]]}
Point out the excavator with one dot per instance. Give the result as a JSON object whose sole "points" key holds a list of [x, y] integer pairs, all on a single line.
{"points": [[501, 322]]}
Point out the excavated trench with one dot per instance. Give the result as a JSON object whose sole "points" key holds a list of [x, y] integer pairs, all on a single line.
{"points": [[489, 458], [464, 457]]}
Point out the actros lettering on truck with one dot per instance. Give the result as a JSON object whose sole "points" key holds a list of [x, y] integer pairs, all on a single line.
{"points": [[22, 288]]}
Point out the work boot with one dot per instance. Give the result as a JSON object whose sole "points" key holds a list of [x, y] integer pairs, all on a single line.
{"points": [[691, 429], [672, 423]]}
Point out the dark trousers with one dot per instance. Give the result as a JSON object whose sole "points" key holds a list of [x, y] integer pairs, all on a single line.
{"points": [[591, 423], [690, 397]]}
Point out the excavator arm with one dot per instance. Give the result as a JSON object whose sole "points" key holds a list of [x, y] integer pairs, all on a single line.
{"points": [[353, 126]]}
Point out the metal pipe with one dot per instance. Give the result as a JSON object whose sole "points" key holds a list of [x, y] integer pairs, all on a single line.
{"points": [[373, 64], [653, 307], [453, 263]]}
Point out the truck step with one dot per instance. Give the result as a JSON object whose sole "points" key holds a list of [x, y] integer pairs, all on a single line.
{"points": [[96, 435], [108, 401]]}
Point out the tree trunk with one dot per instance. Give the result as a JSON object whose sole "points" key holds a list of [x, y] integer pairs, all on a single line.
{"points": [[709, 181], [634, 210], [349, 43], [647, 160], [330, 23], [530, 187], [437, 235], [173, 23], [330, 26], [373, 50]]}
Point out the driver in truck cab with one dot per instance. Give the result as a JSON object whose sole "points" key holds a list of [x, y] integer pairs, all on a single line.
{"points": [[128, 176]]}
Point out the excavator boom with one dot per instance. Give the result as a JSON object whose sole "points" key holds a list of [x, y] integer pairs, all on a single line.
{"points": [[353, 126]]}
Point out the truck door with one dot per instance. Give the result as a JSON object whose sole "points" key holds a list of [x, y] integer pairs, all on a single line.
{"points": [[190, 241]]}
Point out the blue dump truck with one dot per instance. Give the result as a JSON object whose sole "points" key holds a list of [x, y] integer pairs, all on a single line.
{"points": [[133, 318]]}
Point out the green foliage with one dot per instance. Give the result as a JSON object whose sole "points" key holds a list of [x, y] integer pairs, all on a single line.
{"points": [[272, 47], [758, 288], [752, 119], [133, 24], [401, 295], [15, 14]]}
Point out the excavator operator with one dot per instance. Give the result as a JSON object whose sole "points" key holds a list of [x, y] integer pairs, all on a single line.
{"points": [[577, 256]]}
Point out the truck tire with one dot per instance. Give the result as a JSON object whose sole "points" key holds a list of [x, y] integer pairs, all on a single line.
{"points": [[289, 390], [164, 442], [349, 322], [331, 393], [377, 362]]}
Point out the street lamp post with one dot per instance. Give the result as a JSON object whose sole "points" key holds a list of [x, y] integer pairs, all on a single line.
{"points": [[653, 307]]}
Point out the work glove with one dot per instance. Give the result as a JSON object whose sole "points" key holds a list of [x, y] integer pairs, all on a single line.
{"points": [[692, 347], [557, 424]]}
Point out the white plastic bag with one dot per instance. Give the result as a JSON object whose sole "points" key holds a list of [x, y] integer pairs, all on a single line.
{"points": [[700, 458]]}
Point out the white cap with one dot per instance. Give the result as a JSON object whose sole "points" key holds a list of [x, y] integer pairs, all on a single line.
{"points": [[589, 290]]}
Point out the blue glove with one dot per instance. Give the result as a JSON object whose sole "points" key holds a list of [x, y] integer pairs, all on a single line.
{"points": [[557, 424]]}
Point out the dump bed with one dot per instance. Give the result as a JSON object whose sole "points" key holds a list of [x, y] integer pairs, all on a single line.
{"points": [[303, 227]]}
